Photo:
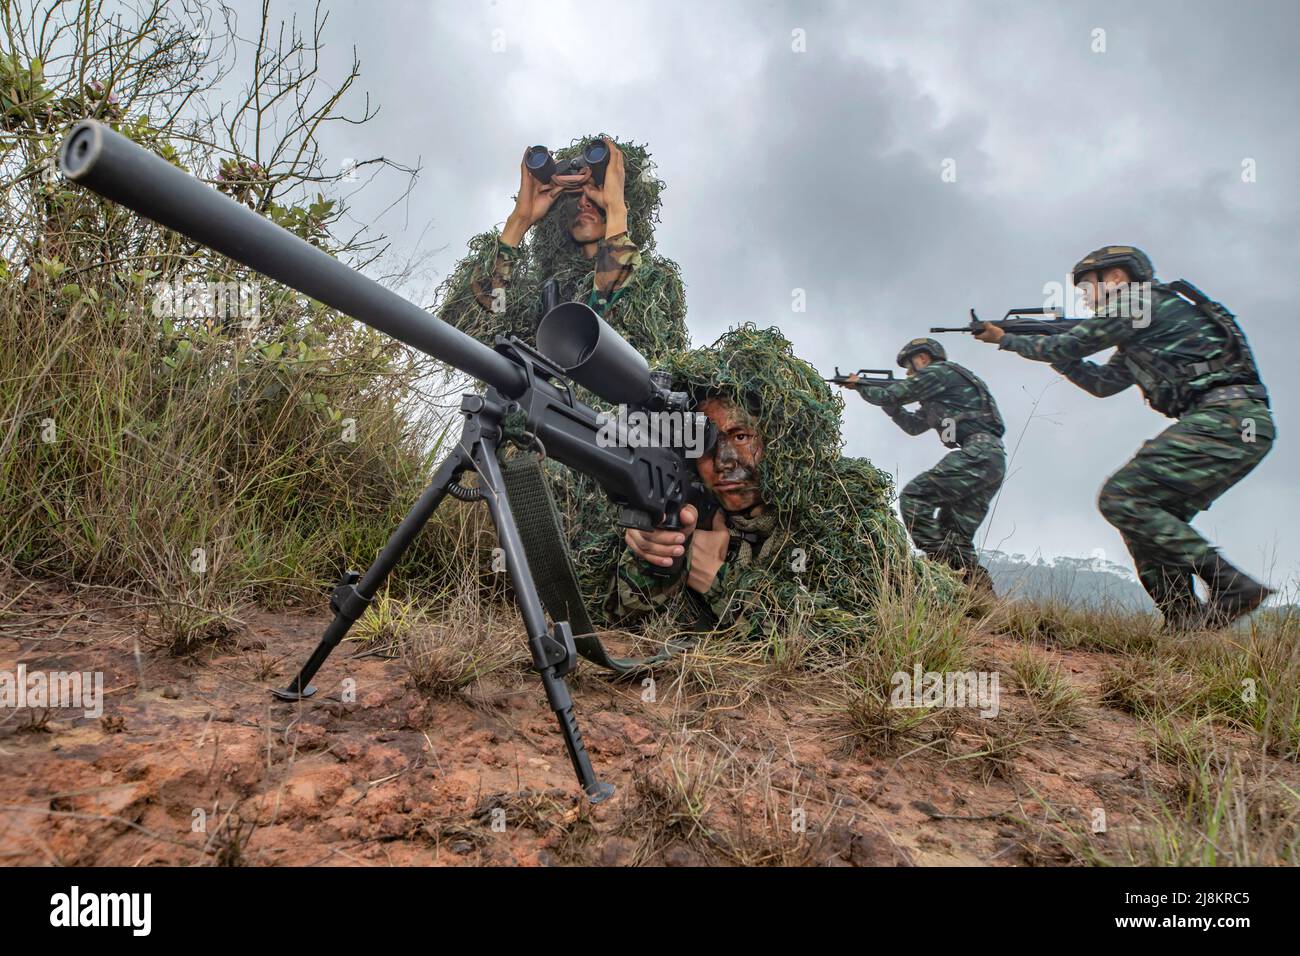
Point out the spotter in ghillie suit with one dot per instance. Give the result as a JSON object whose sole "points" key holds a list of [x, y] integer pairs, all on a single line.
{"points": [[596, 241]]}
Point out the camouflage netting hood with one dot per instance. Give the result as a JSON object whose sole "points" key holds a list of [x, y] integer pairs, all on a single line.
{"points": [[836, 539], [650, 312]]}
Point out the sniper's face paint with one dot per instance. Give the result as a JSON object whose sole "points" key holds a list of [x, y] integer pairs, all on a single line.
{"points": [[731, 472]]}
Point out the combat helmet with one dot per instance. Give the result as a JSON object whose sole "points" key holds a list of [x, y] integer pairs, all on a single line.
{"points": [[1130, 258], [916, 346]]}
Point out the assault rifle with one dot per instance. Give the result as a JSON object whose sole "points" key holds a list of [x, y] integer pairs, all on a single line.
{"points": [[873, 376], [1013, 324], [528, 398]]}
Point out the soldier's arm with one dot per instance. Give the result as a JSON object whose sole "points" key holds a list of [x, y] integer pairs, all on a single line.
{"points": [[719, 597], [617, 259], [1099, 380], [479, 286], [638, 590], [1088, 337], [926, 384], [913, 423]]}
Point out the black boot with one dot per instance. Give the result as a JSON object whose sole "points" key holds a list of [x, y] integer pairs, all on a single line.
{"points": [[1233, 594], [978, 577], [1175, 597]]}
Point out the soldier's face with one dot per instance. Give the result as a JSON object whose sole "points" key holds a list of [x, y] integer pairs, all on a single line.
{"points": [[919, 361], [1101, 288], [1087, 283], [588, 222], [731, 472]]}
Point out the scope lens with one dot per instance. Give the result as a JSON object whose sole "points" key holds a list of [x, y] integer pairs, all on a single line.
{"points": [[536, 157], [596, 153]]}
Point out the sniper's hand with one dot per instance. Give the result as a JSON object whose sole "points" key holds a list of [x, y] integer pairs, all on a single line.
{"points": [[661, 546], [708, 554], [991, 334]]}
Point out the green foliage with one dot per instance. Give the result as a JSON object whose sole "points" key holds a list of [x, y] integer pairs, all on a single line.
{"points": [[206, 455]]}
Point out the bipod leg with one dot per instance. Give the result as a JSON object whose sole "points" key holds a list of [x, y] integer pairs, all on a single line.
{"points": [[554, 654], [354, 592]]}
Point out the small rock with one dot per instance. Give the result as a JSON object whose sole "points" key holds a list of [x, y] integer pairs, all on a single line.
{"points": [[682, 856], [462, 847], [171, 692], [617, 851], [112, 723]]}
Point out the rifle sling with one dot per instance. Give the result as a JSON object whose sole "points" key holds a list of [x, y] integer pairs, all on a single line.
{"points": [[540, 527]]}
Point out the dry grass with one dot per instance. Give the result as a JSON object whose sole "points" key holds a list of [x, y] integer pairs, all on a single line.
{"points": [[1056, 701], [1246, 677], [471, 639]]}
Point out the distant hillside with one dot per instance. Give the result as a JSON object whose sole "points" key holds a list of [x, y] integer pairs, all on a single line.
{"points": [[1088, 581]]}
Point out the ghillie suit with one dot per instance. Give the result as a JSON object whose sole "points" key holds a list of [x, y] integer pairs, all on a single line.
{"points": [[497, 290], [648, 307], [828, 540]]}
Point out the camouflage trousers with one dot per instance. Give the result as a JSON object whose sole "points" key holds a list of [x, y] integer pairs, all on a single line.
{"points": [[943, 507], [1175, 475]]}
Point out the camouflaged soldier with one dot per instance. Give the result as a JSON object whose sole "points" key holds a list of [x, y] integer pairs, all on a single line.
{"points": [[805, 538], [1191, 360], [943, 507], [740, 531], [596, 241]]}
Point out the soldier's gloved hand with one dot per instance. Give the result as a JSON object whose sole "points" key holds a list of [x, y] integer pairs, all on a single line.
{"points": [[660, 546]]}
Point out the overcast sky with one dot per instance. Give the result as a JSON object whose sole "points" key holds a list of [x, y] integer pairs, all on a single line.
{"points": [[822, 170]]}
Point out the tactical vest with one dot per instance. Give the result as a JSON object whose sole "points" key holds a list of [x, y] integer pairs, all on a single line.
{"points": [[1168, 385], [938, 414]]}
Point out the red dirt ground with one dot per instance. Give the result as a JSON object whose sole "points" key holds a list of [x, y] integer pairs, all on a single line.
{"points": [[192, 762]]}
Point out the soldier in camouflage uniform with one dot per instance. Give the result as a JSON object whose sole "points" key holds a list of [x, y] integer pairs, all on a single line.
{"points": [[1192, 362], [943, 507], [740, 532]]}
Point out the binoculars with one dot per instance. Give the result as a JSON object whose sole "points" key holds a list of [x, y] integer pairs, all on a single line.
{"points": [[544, 167]]}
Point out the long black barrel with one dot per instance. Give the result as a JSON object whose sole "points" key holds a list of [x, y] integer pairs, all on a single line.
{"points": [[116, 168]]}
